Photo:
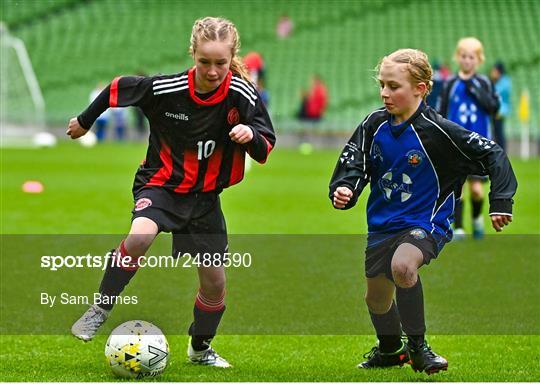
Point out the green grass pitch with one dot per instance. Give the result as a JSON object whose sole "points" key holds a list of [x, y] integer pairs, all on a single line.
{"points": [[88, 191]]}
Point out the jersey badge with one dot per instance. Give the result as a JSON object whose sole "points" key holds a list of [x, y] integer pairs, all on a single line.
{"points": [[233, 117], [415, 158], [418, 233], [142, 204]]}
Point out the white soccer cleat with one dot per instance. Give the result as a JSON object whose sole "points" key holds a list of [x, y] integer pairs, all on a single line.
{"points": [[86, 327], [206, 357], [459, 234], [478, 228]]}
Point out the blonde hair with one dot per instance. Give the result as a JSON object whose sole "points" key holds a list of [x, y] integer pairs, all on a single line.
{"points": [[219, 29], [473, 44], [418, 66]]}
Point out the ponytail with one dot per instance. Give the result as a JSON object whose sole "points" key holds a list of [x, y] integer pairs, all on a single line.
{"points": [[239, 68]]}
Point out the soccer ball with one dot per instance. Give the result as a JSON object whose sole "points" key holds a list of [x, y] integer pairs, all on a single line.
{"points": [[44, 140], [137, 349]]}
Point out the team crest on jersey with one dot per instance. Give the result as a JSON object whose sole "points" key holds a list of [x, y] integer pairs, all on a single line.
{"points": [[418, 234], [142, 204], [233, 117], [415, 158]]}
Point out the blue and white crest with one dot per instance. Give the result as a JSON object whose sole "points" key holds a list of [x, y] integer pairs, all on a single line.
{"points": [[418, 233]]}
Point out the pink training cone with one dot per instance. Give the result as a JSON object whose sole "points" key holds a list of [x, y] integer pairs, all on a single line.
{"points": [[32, 186]]}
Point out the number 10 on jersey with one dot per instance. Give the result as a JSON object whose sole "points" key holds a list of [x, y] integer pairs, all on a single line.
{"points": [[205, 149]]}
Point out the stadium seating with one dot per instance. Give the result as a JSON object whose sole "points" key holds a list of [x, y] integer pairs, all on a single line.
{"points": [[75, 44]]}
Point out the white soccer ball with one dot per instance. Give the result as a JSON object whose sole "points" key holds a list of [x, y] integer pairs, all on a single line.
{"points": [[88, 140], [44, 140], [137, 349]]}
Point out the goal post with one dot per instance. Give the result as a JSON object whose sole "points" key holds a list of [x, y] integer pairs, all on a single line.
{"points": [[22, 107]]}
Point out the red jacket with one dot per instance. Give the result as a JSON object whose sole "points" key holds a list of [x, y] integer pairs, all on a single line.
{"points": [[316, 101]]}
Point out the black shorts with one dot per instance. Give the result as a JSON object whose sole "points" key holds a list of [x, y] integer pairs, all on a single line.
{"points": [[379, 257], [195, 219]]}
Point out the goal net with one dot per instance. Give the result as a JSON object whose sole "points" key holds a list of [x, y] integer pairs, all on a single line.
{"points": [[22, 108]]}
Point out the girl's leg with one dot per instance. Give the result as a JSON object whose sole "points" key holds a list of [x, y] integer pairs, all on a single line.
{"points": [[208, 235], [209, 306], [409, 295], [459, 233], [410, 301], [383, 312], [140, 237], [385, 318], [207, 313], [477, 201]]}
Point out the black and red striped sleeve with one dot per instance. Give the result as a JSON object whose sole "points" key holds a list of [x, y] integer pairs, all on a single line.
{"points": [[264, 138], [123, 91]]}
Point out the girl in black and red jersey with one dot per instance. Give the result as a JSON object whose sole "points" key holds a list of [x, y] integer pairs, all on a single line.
{"points": [[202, 123]]}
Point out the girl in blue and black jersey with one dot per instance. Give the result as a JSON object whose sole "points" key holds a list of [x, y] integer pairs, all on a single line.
{"points": [[469, 99], [416, 163]]}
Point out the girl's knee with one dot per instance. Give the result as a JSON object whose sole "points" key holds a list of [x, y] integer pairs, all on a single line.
{"points": [[213, 288], [137, 245], [477, 194], [477, 190], [405, 276]]}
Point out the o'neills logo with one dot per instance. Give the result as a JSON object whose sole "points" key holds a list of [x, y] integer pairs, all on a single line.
{"points": [[142, 204], [177, 116], [233, 117]]}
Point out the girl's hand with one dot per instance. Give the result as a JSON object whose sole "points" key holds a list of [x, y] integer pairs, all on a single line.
{"points": [[342, 196], [241, 134], [75, 130], [499, 221]]}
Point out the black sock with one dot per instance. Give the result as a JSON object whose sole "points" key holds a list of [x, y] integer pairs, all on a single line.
{"points": [[388, 329], [410, 302], [458, 214], [113, 283], [204, 327], [477, 207]]}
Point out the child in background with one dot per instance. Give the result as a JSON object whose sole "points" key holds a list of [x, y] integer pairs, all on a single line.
{"points": [[469, 99]]}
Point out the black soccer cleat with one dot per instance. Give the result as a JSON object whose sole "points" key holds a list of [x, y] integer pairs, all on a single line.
{"points": [[423, 359], [377, 359]]}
